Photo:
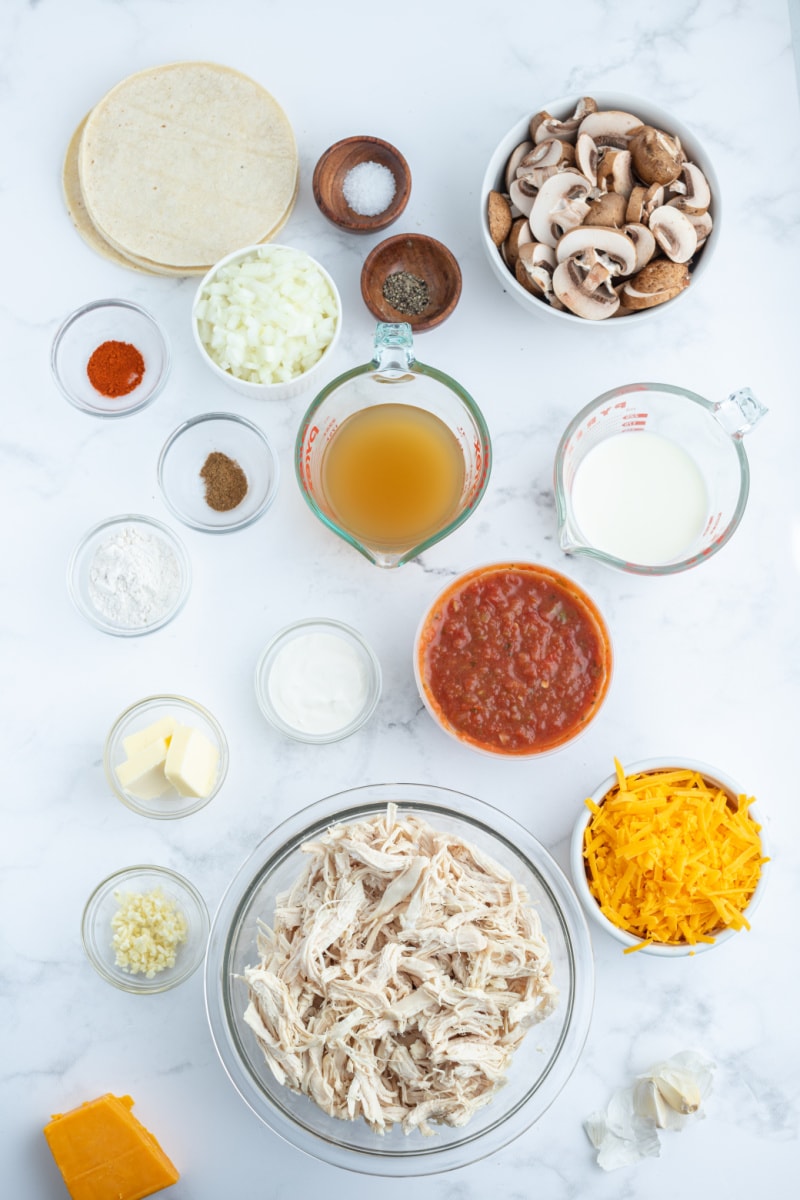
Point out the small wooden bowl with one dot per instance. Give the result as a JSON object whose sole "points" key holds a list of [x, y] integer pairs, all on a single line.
{"points": [[421, 256], [329, 177]]}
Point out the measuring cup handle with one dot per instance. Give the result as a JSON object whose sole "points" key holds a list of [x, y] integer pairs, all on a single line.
{"points": [[394, 346], [739, 413]]}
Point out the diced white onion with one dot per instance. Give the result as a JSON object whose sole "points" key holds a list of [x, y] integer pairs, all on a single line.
{"points": [[269, 317]]}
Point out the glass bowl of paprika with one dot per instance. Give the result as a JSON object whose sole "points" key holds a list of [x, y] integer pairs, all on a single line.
{"points": [[218, 472], [110, 358]]}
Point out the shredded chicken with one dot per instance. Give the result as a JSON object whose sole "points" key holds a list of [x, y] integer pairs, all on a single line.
{"points": [[402, 970]]}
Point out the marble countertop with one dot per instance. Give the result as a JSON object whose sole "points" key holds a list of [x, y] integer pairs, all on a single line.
{"points": [[707, 662]]}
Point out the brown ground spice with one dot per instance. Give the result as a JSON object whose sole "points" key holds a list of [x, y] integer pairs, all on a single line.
{"points": [[226, 482]]}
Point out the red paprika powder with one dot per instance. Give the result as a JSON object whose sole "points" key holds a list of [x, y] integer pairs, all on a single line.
{"points": [[115, 368]]}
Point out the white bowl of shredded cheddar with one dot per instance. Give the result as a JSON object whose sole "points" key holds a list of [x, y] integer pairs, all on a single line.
{"points": [[668, 857]]}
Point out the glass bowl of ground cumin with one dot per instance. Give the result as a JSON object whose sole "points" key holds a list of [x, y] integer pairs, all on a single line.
{"points": [[218, 472], [110, 358]]}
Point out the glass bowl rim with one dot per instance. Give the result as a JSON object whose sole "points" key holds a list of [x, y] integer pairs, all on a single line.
{"points": [[157, 984], [199, 802], [234, 419], [659, 763], [72, 319], [284, 636], [181, 554], [429, 799]]}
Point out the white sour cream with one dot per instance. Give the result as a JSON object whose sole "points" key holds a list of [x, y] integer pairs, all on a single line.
{"points": [[318, 683], [640, 497]]}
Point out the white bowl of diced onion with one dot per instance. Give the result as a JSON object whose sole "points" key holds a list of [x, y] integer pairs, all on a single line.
{"points": [[266, 319]]}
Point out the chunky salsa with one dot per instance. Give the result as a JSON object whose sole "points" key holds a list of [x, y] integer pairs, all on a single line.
{"points": [[514, 659]]}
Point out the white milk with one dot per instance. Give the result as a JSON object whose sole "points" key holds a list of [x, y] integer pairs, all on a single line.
{"points": [[639, 496]]}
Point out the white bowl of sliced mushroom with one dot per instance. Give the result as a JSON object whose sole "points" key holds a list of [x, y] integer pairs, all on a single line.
{"points": [[599, 207]]}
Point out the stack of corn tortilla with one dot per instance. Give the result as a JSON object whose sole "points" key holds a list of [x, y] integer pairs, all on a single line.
{"points": [[179, 165]]}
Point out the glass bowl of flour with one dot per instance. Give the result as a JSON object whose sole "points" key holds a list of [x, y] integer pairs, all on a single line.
{"points": [[129, 575]]}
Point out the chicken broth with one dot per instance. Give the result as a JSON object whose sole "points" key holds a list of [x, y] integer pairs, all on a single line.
{"points": [[393, 474]]}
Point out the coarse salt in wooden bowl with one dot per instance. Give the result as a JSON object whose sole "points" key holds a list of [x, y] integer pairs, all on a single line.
{"points": [[356, 168], [424, 259]]}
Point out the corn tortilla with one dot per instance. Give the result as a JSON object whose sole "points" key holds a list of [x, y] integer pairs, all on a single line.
{"points": [[179, 165], [73, 198]]}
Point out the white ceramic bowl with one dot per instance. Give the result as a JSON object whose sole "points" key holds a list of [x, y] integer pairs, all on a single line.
{"points": [[652, 114], [182, 458], [266, 391], [711, 775], [543, 1062]]}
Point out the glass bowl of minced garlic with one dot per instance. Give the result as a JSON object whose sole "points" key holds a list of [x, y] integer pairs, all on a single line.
{"points": [[145, 929], [668, 857]]}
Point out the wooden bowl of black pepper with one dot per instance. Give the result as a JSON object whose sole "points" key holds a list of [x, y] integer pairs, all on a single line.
{"points": [[411, 277]]}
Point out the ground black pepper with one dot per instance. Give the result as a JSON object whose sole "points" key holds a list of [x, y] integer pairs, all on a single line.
{"points": [[406, 292], [226, 482]]}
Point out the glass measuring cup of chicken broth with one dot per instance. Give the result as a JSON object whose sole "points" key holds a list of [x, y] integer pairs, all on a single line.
{"points": [[393, 455], [652, 478]]}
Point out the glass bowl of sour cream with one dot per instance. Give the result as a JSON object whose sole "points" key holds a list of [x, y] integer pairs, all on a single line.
{"points": [[318, 681]]}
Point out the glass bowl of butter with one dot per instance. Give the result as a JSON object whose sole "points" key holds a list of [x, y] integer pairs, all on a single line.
{"points": [[165, 757]]}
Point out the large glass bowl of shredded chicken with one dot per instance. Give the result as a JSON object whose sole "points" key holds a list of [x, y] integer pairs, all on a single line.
{"points": [[399, 980]]}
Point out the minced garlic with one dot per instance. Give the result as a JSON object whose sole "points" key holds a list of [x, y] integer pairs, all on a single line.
{"points": [[148, 929]]}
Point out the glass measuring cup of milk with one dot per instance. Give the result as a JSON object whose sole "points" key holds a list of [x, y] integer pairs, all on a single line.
{"points": [[393, 455], [653, 479]]}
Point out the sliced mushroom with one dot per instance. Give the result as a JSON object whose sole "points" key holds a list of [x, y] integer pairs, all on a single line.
{"points": [[674, 232], [656, 283], [534, 269], [514, 159], [653, 199], [586, 157], [694, 194], [521, 198], [551, 127], [551, 153], [615, 172], [560, 205], [500, 219], [643, 242], [609, 127], [583, 289], [657, 157], [635, 213], [703, 225], [608, 209], [611, 246], [519, 236]]}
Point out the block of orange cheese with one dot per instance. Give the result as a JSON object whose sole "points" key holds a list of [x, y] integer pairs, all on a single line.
{"points": [[104, 1153]]}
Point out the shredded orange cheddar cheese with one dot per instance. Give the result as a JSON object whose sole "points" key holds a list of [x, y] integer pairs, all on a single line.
{"points": [[672, 858]]}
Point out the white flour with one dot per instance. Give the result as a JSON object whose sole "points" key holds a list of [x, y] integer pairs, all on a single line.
{"points": [[134, 578]]}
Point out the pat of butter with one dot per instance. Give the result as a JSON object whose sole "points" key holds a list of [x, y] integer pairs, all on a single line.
{"points": [[143, 773], [191, 763], [162, 728]]}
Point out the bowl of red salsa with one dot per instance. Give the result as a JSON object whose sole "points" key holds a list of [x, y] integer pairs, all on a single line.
{"points": [[513, 659]]}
